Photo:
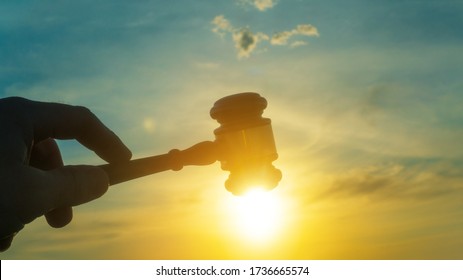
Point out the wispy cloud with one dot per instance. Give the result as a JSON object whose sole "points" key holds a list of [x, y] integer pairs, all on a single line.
{"points": [[246, 40], [221, 25], [282, 38], [403, 180], [261, 5], [296, 44]]}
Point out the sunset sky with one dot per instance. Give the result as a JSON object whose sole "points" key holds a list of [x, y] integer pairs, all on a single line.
{"points": [[366, 102]]}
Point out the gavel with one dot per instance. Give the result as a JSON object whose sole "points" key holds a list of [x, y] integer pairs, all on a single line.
{"points": [[244, 144]]}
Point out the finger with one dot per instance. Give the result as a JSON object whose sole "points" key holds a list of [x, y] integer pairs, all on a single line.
{"points": [[46, 156], [62, 187], [15, 143], [75, 122], [5, 243], [59, 217], [75, 185]]}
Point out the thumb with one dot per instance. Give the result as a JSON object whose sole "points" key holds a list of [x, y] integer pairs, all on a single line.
{"points": [[74, 185], [62, 187]]}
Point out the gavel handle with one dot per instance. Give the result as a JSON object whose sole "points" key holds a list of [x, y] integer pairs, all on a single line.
{"points": [[203, 153]]}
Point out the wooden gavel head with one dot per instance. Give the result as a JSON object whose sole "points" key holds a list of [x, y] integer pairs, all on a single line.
{"points": [[245, 142]]}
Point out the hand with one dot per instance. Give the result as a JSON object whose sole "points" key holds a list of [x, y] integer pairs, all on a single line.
{"points": [[33, 180]]}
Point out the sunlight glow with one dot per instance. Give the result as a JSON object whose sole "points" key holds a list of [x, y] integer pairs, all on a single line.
{"points": [[149, 124], [257, 214]]}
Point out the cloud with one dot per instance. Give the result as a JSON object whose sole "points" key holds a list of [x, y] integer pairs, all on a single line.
{"points": [[263, 5], [260, 5], [306, 29], [408, 179], [246, 41], [282, 38], [221, 25], [298, 44]]}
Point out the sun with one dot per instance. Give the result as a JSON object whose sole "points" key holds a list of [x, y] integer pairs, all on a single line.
{"points": [[257, 214]]}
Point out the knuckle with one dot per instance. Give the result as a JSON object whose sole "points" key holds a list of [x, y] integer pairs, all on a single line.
{"points": [[84, 113], [87, 119], [13, 107], [13, 101]]}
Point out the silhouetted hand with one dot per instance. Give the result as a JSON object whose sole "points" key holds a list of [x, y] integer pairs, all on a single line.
{"points": [[33, 180]]}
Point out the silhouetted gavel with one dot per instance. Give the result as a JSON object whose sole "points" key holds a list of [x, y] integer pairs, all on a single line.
{"points": [[244, 144]]}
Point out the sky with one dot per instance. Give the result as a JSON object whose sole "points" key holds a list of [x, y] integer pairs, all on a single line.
{"points": [[366, 102]]}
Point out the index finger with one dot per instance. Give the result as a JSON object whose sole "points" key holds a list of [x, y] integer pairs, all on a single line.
{"points": [[63, 121]]}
